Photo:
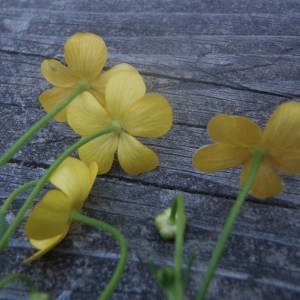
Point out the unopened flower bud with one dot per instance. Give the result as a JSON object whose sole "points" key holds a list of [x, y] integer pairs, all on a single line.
{"points": [[165, 226]]}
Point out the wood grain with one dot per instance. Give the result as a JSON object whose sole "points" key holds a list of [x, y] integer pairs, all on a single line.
{"points": [[206, 57]]}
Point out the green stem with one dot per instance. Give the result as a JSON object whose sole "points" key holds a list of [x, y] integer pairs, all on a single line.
{"points": [[178, 255], [41, 182], [14, 194], [40, 124], [114, 281], [13, 277], [172, 218], [218, 251]]}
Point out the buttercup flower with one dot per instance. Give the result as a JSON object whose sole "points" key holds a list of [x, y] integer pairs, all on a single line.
{"points": [[136, 114], [238, 138], [85, 55], [50, 219]]}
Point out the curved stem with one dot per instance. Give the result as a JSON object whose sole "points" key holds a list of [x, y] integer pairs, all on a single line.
{"points": [[41, 182], [114, 281], [218, 251], [14, 194], [22, 277], [40, 124]]}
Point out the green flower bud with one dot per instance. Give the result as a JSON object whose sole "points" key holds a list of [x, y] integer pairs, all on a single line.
{"points": [[165, 226]]}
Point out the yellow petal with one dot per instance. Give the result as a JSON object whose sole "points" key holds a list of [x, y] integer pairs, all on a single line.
{"points": [[267, 182], [282, 130], [45, 245], [235, 130], [287, 162], [86, 115], [150, 116], [93, 169], [73, 177], [134, 157], [57, 74], [53, 97], [97, 87], [50, 217], [122, 90], [217, 157], [100, 150], [85, 54]]}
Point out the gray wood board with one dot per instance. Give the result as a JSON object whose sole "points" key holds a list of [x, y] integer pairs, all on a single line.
{"points": [[206, 57]]}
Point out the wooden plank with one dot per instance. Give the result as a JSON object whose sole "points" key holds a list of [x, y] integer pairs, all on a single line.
{"points": [[169, 6], [206, 57]]}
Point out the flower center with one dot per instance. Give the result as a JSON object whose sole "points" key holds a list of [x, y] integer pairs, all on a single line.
{"points": [[117, 126], [260, 150], [84, 83]]}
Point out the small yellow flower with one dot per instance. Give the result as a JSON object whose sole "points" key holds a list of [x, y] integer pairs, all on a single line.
{"points": [[238, 138], [50, 219], [136, 114], [85, 55]]}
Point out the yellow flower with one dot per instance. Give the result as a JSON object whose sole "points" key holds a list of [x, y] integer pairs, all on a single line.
{"points": [[50, 219], [137, 114], [85, 55], [238, 138]]}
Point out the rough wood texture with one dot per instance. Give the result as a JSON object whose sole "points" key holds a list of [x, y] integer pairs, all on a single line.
{"points": [[206, 57]]}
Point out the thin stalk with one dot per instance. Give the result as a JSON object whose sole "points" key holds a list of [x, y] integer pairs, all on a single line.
{"points": [[178, 255], [22, 277], [114, 281], [219, 249], [40, 124], [15, 193], [41, 182], [172, 218]]}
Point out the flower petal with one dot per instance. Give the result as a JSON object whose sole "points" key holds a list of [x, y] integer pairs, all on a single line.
{"points": [[73, 177], [85, 115], [287, 162], [85, 54], [267, 182], [100, 150], [93, 170], [50, 217], [150, 116], [57, 74], [53, 97], [97, 87], [122, 90], [282, 130], [235, 130], [45, 245], [215, 157], [134, 157]]}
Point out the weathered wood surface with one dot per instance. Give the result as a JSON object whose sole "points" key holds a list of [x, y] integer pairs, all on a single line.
{"points": [[206, 57]]}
